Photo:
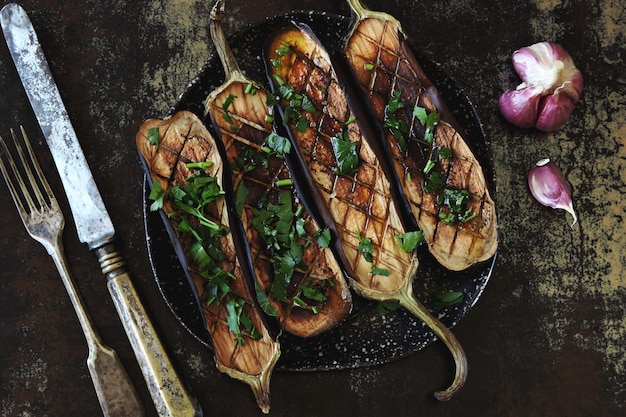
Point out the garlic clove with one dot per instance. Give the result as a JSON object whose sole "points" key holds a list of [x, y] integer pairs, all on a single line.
{"points": [[521, 107], [554, 112], [548, 186]]}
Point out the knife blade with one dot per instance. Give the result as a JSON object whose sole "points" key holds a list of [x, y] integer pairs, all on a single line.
{"points": [[93, 223]]}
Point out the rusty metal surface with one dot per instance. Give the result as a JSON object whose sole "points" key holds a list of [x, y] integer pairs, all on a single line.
{"points": [[546, 338]]}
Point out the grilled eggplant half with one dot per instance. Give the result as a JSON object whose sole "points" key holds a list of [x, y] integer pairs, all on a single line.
{"points": [[302, 282], [348, 183], [186, 171], [438, 173]]}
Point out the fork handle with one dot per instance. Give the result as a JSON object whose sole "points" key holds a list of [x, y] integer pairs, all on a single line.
{"points": [[169, 395], [115, 391]]}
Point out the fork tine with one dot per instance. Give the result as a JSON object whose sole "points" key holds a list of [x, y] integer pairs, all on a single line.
{"points": [[41, 179], [8, 179], [35, 200]]}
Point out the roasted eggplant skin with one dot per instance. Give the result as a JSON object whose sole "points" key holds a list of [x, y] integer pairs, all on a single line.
{"points": [[386, 69], [317, 297], [183, 139]]}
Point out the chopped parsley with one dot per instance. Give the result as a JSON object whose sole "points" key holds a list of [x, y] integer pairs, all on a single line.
{"points": [[241, 195], [366, 247], [380, 271], [345, 154], [200, 190], [434, 182], [200, 165], [249, 158], [445, 153], [441, 300], [250, 89], [399, 128], [387, 306], [428, 120], [278, 144], [153, 136], [323, 237], [205, 249], [410, 240], [157, 194], [283, 49], [280, 228], [456, 202], [225, 113], [430, 164]]}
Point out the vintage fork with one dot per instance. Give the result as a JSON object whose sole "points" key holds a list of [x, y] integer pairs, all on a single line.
{"points": [[44, 221]]}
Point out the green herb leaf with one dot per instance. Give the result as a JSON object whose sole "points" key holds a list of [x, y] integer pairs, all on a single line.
{"points": [[420, 114], [264, 301], [428, 120], [345, 154], [385, 307], [410, 240], [430, 164], [380, 271], [234, 307], [323, 237], [283, 49], [153, 136], [307, 105], [278, 144], [300, 230], [456, 202], [398, 128], [241, 195], [445, 153], [442, 300], [302, 124], [250, 89], [285, 182], [199, 165], [366, 247], [434, 183], [249, 158], [225, 105], [157, 194]]}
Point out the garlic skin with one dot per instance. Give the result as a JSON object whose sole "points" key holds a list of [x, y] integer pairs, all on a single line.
{"points": [[551, 85], [549, 186]]}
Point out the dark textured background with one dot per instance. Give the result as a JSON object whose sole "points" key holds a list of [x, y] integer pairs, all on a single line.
{"points": [[547, 338]]}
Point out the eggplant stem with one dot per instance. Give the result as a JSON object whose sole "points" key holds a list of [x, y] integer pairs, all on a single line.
{"points": [[363, 13], [231, 67], [405, 297], [408, 301]]}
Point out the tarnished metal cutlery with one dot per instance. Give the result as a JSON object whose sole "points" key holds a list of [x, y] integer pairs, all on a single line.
{"points": [[44, 221], [93, 224]]}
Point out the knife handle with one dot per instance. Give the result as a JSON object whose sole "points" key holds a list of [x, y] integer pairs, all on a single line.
{"points": [[169, 395]]}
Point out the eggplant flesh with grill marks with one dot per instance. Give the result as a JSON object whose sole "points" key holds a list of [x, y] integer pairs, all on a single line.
{"points": [[387, 70], [346, 179], [359, 203], [301, 279], [183, 139]]}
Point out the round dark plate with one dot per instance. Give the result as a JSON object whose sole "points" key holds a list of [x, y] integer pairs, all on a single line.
{"points": [[366, 337]]}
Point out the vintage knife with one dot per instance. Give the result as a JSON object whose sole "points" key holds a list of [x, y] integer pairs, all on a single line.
{"points": [[93, 223]]}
